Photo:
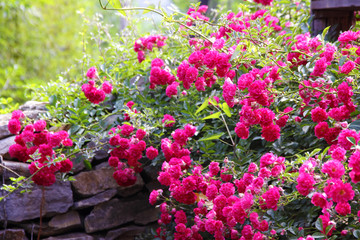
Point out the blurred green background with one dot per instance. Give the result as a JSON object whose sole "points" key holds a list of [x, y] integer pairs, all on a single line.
{"points": [[44, 38]]}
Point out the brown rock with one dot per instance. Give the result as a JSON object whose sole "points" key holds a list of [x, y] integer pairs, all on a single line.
{"points": [[125, 233], [92, 201], [147, 216], [154, 186], [5, 144], [57, 225], [46, 230], [150, 173], [4, 132], [33, 105], [133, 189], [67, 221], [32, 111], [94, 182], [20, 207], [20, 168], [115, 213], [71, 236], [13, 234], [101, 179]]}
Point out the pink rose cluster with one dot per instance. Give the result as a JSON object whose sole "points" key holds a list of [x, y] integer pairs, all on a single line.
{"points": [[128, 146], [223, 205], [145, 44], [197, 14], [263, 116], [330, 183], [35, 140], [132, 110], [168, 120], [336, 105], [306, 47], [160, 74], [93, 94], [264, 2]]}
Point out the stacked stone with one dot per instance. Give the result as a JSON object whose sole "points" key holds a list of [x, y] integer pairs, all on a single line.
{"points": [[92, 207]]}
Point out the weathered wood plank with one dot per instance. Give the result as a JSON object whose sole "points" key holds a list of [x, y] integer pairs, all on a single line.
{"points": [[335, 4]]}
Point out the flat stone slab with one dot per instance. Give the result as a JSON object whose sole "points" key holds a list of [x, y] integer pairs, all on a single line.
{"points": [[125, 233], [66, 221], [72, 236], [5, 144], [95, 200], [94, 182], [20, 207], [19, 167], [13, 234], [115, 213]]}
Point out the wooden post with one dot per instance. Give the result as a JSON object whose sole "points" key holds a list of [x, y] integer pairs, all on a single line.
{"points": [[340, 15]]}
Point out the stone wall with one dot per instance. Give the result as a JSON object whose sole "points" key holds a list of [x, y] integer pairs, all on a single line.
{"points": [[92, 207]]}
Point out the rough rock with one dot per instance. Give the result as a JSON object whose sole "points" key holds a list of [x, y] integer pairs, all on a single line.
{"points": [[101, 155], [67, 221], [125, 233], [5, 144], [20, 207], [150, 173], [46, 230], [115, 213], [154, 186], [124, 191], [94, 182], [133, 189], [19, 167], [4, 132], [97, 199], [147, 216], [13, 234], [71, 236], [98, 180], [33, 105], [57, 225], [32, 114]]}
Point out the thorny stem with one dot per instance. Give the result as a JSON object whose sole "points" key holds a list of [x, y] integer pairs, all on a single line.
{"points": [[19, 184], [41, 207], [228, 131], [158, 12], [9, 169], [313, 88]]}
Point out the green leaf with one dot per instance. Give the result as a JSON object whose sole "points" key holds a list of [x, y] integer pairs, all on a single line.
{"points": [[315, 151], [203, 106], [226, 109], [117, 4], [53, 100], [215, 115], [352, 140], [74, 129], [236, 52], [213, 137], [328, 229], [87, 164], [318, 235], [325, 31], [319, 224]]}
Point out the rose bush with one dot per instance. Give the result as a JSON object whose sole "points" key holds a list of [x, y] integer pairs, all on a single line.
{"points": [[251, 121]]}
